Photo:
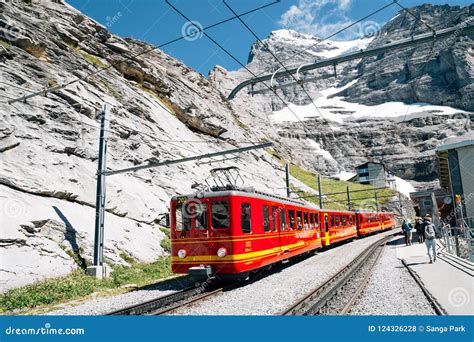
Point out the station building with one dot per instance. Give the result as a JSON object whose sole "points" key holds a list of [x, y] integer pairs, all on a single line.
{"points": [[455, 159]]}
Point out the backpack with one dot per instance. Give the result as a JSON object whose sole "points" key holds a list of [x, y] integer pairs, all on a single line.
{"points": [[430, 231]]}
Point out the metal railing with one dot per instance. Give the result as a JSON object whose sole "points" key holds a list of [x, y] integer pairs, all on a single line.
{"points": [[459, 240]]}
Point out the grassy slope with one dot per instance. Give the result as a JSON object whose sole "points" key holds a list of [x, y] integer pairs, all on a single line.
{"points": [[78, 285], [360, 200]]}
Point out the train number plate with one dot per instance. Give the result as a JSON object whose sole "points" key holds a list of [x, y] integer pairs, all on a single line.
{"points": [[181, 199]]}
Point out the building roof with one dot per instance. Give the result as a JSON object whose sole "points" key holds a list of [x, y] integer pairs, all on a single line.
{"points": [[369, 162], [457, 142]]}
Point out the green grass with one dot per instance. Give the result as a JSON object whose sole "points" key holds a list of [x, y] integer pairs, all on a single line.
{"points": [[52, 83], [111, 90], [360, 200], [166, 242], [91, 59], [88, 57], [5, 44], [78, 285]]}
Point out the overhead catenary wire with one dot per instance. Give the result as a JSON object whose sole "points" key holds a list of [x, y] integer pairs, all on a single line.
{"points": [[279, 62], [132, 57], [235, 59]]}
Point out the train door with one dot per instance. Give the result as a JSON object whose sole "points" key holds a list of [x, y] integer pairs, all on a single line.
{"points": [[289, 235], [282, 226], [195, 214], [326, 230]]}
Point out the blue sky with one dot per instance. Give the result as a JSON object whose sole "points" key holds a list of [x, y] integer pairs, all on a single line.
{"points": [[155, 22]]}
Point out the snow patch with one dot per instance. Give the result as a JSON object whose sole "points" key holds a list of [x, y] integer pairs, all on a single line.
{"points": [[344, 175], [326, 154], [337, 110], [404, 186]]}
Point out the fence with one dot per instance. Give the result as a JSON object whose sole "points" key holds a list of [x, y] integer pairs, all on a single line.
{"points": [[459, 240]]}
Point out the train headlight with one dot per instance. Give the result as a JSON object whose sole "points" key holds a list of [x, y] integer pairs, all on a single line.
{"points": [[221, 252], [182, 253]]}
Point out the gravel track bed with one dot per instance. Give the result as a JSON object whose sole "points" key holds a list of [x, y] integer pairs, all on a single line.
{"points": [[276, 292], [391, 290], [104, 305], [341, 299]]}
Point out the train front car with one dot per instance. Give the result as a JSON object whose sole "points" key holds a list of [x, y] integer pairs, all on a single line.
{"points": [[230, 233], [201, 234]]}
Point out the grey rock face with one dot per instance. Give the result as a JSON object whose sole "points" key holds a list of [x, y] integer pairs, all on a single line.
{"points": [[440, 73]]}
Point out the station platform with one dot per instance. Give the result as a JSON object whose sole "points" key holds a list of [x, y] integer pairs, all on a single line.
{"points": [[450, 280]]}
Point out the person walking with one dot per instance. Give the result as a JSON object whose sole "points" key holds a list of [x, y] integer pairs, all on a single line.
{"points": [[420, 230], [430, 236], [407, 227]]}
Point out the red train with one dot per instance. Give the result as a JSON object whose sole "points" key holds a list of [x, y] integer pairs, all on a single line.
{"points": [[234, 232]]}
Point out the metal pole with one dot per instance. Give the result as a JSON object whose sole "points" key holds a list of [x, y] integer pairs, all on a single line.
{"points": [[320, 192], [348, 198], [376, 203], [100, 195], [287, 180]]}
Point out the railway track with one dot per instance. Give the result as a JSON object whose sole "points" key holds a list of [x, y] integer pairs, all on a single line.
{"points": [[169, 303], [153, 306], [338, 294]]}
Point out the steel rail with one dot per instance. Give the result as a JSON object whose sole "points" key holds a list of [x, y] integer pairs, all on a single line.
{"points": [[399, 44], [157, 303], [315, 301]]}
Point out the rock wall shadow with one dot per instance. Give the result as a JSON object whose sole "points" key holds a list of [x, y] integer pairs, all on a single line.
{"points": [[70, 234]]}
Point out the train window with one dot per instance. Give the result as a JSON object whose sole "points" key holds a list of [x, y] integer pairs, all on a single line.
{"points": [[178, 219], [291, 217], [332, 221], [200, 213], [306, 221], [337, 220], [316, 221], [311, 221], [344, 220], [282, 219], [183, 218], [274, 218], [266, 218], [220, 215], [245, 218], [299, 218]]}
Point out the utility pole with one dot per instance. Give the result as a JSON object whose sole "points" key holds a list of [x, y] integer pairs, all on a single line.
{"points": [[287, 179], [320, 192], [376, 202], [97, 269], [348, 198]]}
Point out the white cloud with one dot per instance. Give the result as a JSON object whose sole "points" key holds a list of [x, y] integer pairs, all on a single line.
{"points": [[320, 18]]}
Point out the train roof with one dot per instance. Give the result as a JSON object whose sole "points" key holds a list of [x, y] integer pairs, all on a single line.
{"points": [[250, 192]]}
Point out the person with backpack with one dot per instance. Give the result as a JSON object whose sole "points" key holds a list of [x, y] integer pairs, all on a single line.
{"points": [[430, 237], [420, 230], [407, 227]]}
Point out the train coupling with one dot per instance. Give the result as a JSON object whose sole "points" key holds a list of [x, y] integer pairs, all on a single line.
{"points": [[201, 271]]}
